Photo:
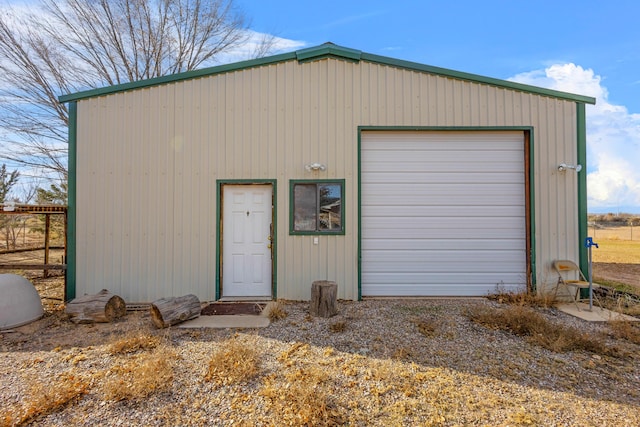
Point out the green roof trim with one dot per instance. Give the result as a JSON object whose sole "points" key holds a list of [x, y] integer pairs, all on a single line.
{"points": [[326, 50]]}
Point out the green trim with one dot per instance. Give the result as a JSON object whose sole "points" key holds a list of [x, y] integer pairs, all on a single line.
{"points": [[582, 186], [327, 50], [359, 185], [219, 184], [532, 210], [448, 128], [70, 289], [292, 183], [204, 72]]}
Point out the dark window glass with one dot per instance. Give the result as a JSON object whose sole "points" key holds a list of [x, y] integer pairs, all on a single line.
{"points": [[317, 207]]}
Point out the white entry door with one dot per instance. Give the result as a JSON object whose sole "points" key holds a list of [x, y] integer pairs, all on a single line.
{"points": [[246, 240]]}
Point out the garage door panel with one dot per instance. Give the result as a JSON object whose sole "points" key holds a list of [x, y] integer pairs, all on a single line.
{"points": [[447, 243], [421, 261], [385, 211], [441, 166], [443, 194], [442, 285], [443, 213], [447, 279], [468, 177], [451, 144], [501, 224]]}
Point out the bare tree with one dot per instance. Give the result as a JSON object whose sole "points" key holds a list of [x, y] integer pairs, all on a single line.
{"points": [[70, 45], [7, 224]]}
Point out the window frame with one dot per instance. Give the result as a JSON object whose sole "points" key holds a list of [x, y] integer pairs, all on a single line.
{"points": [[317, 182]]}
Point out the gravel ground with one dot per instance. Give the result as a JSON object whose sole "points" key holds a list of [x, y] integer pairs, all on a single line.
{"points": [[378, 362]]}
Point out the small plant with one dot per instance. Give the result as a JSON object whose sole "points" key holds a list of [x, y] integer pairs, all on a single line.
{"points": [[426, 327], [141, 375], [234, 362], [401, 353], [338, 326], [274, 310], [134, 341]]}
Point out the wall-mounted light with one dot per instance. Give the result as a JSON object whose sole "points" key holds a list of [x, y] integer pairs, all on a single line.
{"points": [[315, 167], [562, 167]]}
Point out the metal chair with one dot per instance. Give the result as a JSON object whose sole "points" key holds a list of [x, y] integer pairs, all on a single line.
{"points": [[565, 270]]}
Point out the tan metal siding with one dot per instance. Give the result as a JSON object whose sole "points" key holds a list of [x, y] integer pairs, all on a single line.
{"points": [[148, 161]]}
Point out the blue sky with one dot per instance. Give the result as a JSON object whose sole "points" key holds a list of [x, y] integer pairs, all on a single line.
{"points": [[589, 47]]}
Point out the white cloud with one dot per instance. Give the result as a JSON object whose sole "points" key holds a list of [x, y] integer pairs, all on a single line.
{"points": [[248, 49], [613, 138]]}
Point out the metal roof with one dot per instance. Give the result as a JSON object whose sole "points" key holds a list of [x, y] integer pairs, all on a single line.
{"points": [[326, 50]]}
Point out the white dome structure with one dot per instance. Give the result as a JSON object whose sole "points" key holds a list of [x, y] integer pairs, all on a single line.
{"points": [[19, 302]]}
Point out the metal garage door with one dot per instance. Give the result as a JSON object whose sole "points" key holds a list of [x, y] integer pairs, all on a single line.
{"points": [[443, 213]]}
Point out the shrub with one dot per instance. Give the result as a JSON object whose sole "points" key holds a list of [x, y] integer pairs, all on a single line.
{"points": [[134, 341], [525, 321], [274, 310], [46, 397], [234, 362], [302, 397], [141, 375]]}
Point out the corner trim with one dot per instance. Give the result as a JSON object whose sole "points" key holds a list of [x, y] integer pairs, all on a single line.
{"points": [[581, 135], [70, 289]]}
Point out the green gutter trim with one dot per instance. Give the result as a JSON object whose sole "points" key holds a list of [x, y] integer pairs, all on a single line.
{"points": [[582, 186], [204, 72], [274, 186], [327, 50], [70, 289]]}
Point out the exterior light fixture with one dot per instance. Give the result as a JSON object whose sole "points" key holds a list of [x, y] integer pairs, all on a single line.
{"points": [[562, 167], [315, 167]]}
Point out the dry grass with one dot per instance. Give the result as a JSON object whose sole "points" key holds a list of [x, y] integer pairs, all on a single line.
{"points": [[134, 341], [302, 397], [426, 326], [629, 331], [522, 298], [141, 375], [338, 326], [524, 321], [301, 393], [233, 362], [45, 397], [618, 251], [274, 310]]}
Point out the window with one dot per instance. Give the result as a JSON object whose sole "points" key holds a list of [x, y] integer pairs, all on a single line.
{"points": [[316, 207]]}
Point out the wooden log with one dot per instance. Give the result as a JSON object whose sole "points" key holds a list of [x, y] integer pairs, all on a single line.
{"points": [[103, 307], [324, 294], [166, 312]]}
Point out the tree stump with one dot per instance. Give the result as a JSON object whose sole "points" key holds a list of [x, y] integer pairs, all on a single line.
{"points": [[323, 298], [100, 308], [166, 312]]}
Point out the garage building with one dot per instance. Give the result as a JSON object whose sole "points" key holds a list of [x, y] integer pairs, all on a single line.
{"points": [[392, 178]]}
